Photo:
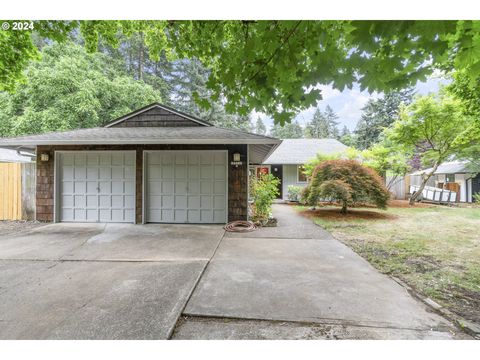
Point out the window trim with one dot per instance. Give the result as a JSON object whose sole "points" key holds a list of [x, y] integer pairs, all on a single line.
{"points": [[298, 175]]}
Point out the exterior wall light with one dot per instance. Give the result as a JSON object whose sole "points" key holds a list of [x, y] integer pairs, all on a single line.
{"points": [[44, 157], [236, 159]]}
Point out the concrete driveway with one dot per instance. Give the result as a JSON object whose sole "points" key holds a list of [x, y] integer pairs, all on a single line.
{"points": [[114, 281], [296, 281], [100, 281]]}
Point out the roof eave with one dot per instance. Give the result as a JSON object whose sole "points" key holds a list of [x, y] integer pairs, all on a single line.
{"points": [[139, 142]]}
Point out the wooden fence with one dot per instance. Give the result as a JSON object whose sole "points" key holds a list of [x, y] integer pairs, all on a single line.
{"points": [[17, 191]]}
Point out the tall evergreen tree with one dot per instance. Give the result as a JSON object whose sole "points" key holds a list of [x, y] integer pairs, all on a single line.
{"points": [[291, 130], [260, 127], [323, 124], [379, 114], [332, 122]]}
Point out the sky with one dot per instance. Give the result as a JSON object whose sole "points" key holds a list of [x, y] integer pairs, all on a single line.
{"points": [[348, 104]]}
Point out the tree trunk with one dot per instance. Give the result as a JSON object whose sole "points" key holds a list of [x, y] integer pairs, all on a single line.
{"points": [[344, 208], [425, 179]]}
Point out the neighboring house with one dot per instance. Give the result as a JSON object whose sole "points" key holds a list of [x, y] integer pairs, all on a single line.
{"points": [[17, 186], [155, 164], [288, 160], [455, 176]]}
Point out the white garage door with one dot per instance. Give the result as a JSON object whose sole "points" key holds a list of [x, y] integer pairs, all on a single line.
{"points": [[96, 186], [186, 186]]}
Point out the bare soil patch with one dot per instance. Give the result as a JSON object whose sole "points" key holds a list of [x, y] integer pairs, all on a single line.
{"points": [[352, 214]]}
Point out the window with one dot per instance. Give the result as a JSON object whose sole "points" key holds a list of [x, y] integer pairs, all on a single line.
{"points": [[450, 178], [301, 176]]}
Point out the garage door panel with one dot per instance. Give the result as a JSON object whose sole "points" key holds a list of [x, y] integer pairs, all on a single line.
{"points": [[206, 202], [167, 187], [80, 159], [92, 201], [193, 216], [92, 215], [67, 214], [168, 202], [206, 216], [206, 172], [188, 183], [80, 173], [219, 187], [67, 172], [67, 200], [220, 172], [193, 202], [167, 215], [193, 172], [102, 185], [219, 216], [67, 187], [206, 187]]}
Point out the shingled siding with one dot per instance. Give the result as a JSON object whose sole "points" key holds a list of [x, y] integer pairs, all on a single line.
{"points": [[237, 176], [156, 117]]}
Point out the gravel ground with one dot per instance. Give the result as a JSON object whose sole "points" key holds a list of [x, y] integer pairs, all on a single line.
{"points": [[15, 227]]}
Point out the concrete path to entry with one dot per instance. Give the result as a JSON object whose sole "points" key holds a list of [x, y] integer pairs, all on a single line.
{"points": [[100, 281], [297, 281]]}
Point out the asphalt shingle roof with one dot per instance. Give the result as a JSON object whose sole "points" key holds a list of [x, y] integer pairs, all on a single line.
{"points": [[142, 135], [451, 167], [300, 151]]}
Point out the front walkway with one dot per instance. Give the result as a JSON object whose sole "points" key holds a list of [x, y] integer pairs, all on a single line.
{"points": [[297, 281]]}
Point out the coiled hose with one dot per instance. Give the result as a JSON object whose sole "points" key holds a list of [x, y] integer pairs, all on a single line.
{"points": [[240, 226]]}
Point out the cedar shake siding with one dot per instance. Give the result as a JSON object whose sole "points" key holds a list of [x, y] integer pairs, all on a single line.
{"points": [[156, 117], [237, 176]]}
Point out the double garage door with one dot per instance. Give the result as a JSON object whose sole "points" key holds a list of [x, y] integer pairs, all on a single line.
{"points": [[179, 186]]}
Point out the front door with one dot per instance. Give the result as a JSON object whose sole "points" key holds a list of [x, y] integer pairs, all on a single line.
{"points": [[277, 171]]}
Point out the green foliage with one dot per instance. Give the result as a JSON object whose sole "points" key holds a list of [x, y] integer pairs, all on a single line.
{"points": [[338, 190], [436, 128], [294, 192], [267, 65], [476, 198], [379, 114], [260, 127], [435, 124], [385, 159], [263, 190], [291, 130], [323, 124], [70, 89], [350, 153], [346, 181]]}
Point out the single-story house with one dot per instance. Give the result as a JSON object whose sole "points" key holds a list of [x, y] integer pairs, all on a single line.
{"points": [[453, 175], [155, 164], [288, 160]]}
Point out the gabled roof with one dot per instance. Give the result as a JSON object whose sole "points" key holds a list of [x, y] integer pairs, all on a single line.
{"points": [[159, 106], [450, 167], [141, 135], [300, 151]]}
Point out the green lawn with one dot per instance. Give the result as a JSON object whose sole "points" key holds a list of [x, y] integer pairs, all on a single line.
{"points": [[436, 250]]}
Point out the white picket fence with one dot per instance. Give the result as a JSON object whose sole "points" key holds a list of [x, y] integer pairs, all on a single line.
{"points": [[434, 194]]}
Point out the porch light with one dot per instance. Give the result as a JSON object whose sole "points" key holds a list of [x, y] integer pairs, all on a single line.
{"points": [[236, 159], [44, 157]]}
